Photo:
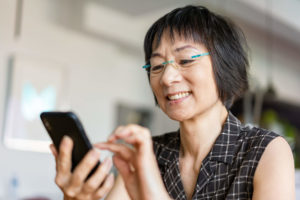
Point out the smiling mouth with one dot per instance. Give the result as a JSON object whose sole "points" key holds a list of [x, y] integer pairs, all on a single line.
{"points": [[177, 96]]}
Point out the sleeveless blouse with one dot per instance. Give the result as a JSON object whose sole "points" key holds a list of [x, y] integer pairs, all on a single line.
{"points": [[228, 169]]}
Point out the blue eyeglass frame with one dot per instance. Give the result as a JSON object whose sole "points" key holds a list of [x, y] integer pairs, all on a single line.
{"points": [[172, 61]]}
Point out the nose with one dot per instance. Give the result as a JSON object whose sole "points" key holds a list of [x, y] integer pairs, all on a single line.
{"points": [[170, 75]]}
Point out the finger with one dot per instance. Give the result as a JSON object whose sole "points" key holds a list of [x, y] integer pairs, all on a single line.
{"points": [[83, 196], [133, 129], [64, 162], [122, 150], [122, 166], [112, 137], [135, 135], [123, 132], [53, 150], [135, 139], [65, 154], [98, 177], [81, 172], [55, 154], [105, 188]]}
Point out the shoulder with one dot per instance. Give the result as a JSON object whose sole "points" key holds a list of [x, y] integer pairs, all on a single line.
{"points": [[271, 160], [255, 140], [250, 145], [257, 136], [275, 172]]}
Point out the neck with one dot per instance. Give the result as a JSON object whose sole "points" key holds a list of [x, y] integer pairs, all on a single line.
{"points": [[198, 135]]}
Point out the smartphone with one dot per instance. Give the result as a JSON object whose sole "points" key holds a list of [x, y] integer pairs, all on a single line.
{"points": [[59, 124]]}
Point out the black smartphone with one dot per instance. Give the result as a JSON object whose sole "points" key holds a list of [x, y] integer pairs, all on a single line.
{"points": [[59, 124]]}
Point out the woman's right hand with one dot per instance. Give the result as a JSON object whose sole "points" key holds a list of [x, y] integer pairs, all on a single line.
{"points": [[73, 184]]}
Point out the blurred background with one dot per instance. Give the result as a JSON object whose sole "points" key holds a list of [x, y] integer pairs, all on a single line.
{"points": [[86, 56]]}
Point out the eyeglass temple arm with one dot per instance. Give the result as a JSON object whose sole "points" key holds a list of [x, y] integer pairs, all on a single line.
{"points": [[202, 54], [171, 61]]}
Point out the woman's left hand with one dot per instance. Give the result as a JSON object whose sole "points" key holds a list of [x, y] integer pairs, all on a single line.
{"points": [[137, 163]]}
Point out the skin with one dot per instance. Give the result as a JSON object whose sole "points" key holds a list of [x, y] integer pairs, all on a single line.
{"points": [[274, 177], [72, 184], [201, 116]]}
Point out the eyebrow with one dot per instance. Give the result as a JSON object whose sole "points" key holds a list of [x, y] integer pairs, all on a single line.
{"points": [[185, 47], [176, 50]]}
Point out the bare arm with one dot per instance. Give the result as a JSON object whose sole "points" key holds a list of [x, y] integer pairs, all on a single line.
{"points": [[275, 175]]}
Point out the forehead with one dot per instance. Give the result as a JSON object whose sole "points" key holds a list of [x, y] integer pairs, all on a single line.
{"points": [[173, 41]]}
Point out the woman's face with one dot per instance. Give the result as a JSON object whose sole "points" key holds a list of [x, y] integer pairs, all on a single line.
{"points": [[183, 94]]}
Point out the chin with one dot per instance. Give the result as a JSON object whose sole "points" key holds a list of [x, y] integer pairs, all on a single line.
{"points": [[178, 116]]}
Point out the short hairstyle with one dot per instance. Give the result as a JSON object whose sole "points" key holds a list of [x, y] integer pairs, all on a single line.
{"points": [[224, 41]]}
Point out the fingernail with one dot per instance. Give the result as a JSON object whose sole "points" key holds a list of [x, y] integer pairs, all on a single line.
{"points": [[70, 193], [66, 141], [67, 138]]}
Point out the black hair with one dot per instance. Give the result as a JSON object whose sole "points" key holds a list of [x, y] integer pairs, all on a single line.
{"points": [[223, 39]]}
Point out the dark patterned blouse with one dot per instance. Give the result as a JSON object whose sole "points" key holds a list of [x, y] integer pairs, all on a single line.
{"points": [[228, 169]]}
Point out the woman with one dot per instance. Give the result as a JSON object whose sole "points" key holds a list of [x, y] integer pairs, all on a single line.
{"points": [[197, 66]]}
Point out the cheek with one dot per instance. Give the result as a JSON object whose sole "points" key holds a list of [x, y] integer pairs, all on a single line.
{"points": [[155, 86], [158, 93], [204, 83]]}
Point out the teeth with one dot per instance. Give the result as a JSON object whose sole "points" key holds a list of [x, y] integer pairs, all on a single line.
{"points": [[179, 96]]}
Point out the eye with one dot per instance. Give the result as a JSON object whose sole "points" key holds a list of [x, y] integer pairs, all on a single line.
{"points": [[186, 62], [157, 68]]}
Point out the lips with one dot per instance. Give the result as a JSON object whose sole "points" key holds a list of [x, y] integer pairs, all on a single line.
{"points": [[178, 95]]}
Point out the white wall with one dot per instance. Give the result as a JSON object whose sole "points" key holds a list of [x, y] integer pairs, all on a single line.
{"points": [[101, 74]]}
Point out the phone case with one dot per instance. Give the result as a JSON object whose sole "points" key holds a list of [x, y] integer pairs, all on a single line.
{"points": [[59, 124]]}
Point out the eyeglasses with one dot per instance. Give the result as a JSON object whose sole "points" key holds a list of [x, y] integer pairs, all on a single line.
{"points": [[180, 63]]}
